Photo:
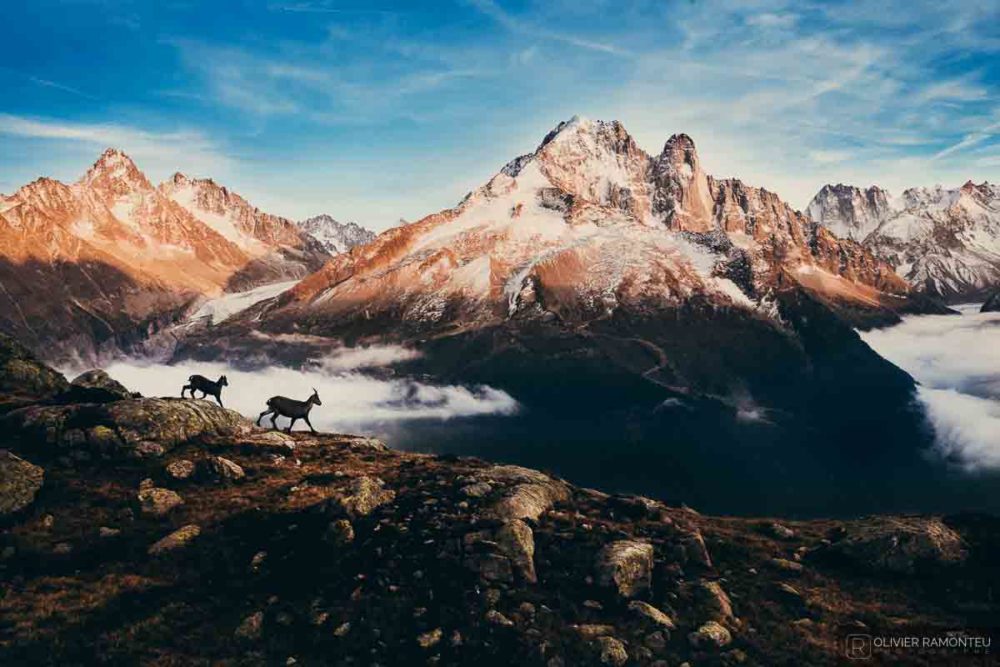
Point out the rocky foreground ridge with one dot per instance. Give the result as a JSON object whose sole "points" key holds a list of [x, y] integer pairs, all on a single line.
{"points": [[165, 531]]}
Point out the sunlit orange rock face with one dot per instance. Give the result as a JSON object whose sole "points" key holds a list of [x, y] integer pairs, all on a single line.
{"points": [[79, 262], [587, 225]]}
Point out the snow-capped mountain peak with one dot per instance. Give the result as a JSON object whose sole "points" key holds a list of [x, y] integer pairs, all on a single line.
{"points": [[115, 174], [587, 225], [336, 237], [848, 211]]}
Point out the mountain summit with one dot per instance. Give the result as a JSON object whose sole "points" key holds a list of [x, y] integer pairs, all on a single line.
{"points": [[589, 224]]}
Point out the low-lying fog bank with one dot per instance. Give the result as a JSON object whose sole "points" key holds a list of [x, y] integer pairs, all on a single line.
{"points": [[956, 359], [353, 402]]}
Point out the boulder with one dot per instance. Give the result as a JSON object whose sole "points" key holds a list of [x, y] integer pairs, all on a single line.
{"points": [[20, 481], [900, 544], [96, 386], [527, 493], [500, 553], [220, 469], [180, 469], [712, 602], [154, 501], [364, 495], [142, 427], [626, 565], [710, 635], [691, 549], [175, 540], [651, 615], [611, 651]]}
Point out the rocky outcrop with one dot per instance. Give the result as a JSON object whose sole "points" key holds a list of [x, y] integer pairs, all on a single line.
{"points": [[887, 544], [524, 493], [143, 427], [96, 386], [23, 376], [20, 481]]}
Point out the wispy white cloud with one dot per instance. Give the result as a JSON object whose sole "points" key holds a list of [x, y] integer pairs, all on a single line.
{"points": [[520, 26], [60, 86], [161, 152], [970, 140]]}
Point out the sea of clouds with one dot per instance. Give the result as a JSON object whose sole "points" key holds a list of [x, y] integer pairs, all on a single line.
{"points": [[956, 360], [353, 402]]}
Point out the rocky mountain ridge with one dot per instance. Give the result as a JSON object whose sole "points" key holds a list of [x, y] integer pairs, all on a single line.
{"points": [[97, 265], [945, 242], [590, 223], [337, 237], [169, 531]]}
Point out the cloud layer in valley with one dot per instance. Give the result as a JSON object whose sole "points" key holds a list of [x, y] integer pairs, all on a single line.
{"points": [[352, 401], [957, 361]]}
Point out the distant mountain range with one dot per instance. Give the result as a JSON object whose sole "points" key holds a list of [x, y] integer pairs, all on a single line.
{"points": [[616, 292], [946, 243], [92, 267]]}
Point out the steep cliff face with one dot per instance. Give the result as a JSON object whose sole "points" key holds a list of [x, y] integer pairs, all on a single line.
{"points": [[945, 242]]}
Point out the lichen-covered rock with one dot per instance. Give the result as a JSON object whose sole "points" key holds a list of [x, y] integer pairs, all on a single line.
{"points": [[611, 651], [712, 602], [901, 544], [96, 386], [180, 469], [364, 495], [22, 374], [626, 565], [691, 549], [710, 635], [142, 427], [154, 501], [651, 615], [499, 553], [221, 469], [527, 493], [20, 481], [175, 540]]}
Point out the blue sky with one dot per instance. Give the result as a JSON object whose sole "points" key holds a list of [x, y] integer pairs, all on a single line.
{"points": [[377, 111]]}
